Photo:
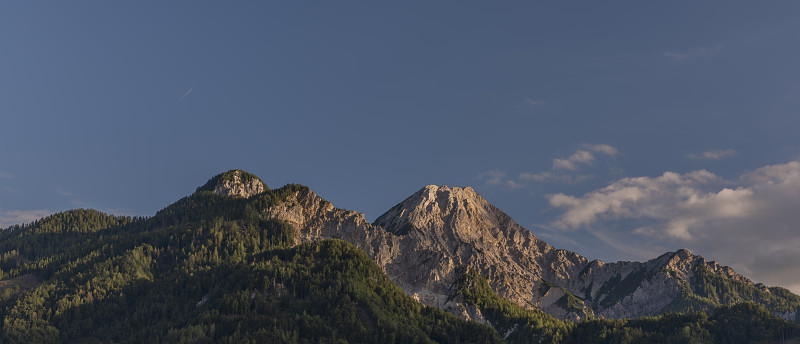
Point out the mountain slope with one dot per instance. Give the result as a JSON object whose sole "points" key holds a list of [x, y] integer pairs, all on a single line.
{"points": [[742, 323], [527, 271], [208, 269], [425, 242], [221, 266]]}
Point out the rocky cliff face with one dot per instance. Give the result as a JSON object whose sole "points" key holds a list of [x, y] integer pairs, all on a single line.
{"points": [[455, 228], [430, 239], [235, 183]]}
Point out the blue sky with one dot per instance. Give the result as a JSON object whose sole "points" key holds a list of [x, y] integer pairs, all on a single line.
{"points": [[617, 130]]}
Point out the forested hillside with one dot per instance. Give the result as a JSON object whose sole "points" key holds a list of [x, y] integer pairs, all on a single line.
{"points": [[214, 269], [746, 322], [206, 269]]}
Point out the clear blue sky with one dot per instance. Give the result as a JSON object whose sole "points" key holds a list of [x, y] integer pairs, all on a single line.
{"points": [[564, 115]]}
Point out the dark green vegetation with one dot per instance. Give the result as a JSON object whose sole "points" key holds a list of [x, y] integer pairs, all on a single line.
{"points": [[709, 290], [206, 269], [210, 269], [524, 325], [741, 323], [617, 288], [568, 302], [246, 177]]}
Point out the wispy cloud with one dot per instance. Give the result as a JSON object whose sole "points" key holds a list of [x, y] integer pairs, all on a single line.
{"points": [[186, 94], [73, 200], [699, 210], [691, 54], [603, 148], [6, 175], [497, 177], [564, 170], [15, 217], [62, 192], [636, 198], [584, 156], [530, 102], [578, 158], [712, 155], [554, 177]]}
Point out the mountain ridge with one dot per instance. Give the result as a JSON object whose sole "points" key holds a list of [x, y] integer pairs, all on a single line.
{"points": [[217, 266], [425, 242]]}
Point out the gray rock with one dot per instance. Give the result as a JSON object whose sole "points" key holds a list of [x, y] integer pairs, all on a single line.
{"points": [[238, 185], [427, 242]]}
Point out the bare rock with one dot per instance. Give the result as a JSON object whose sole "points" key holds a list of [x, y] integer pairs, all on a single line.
{"points": [[235, 183]]}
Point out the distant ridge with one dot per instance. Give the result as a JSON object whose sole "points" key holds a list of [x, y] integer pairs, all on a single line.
{"points": [[428, 240], [236, 261], [235, 183]]}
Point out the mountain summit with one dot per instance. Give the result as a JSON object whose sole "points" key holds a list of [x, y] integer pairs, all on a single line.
{"points": [[461, 210], [235, 183], [432, 238], [237, 261], [451, 229]]}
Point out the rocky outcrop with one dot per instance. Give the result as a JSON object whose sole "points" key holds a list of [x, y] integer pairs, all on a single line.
{"points": [[453, 228], [235, 183], [426, 242]]}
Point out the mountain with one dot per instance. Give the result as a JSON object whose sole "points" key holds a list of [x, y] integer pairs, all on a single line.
{"points": [[237, 261], [426, 242], [204, 270]]}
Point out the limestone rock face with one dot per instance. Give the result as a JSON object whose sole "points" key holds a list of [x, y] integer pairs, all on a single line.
{"points": [[453, 228], [315, 219], [425, 243], [235, 183]]}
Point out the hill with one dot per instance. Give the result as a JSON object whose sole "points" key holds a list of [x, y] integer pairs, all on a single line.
{"points": [[201, 271], [239, 262]]}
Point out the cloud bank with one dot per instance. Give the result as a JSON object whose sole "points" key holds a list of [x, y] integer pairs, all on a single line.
{"points": [[497, 177], [564, 170], [751, 223], [583, 156], [712, 155], [18, 217]]}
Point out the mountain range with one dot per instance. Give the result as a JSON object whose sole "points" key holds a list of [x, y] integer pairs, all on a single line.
{"points": [[427, 241], [444, 247]]}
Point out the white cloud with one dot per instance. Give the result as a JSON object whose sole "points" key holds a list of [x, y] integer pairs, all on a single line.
{"points": [[712, 154], [584, 156], [16, 217], [513, 185], [774, 174], [554, 177], [603, 148], [530, 102], [578, 158], [6, 175], [497, 177], [750, 224], [564, 170], [642, 197]]}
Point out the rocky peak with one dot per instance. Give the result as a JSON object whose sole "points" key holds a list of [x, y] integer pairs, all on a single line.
{"points": [[235, 183], [680, 260], [427, 241], [445, 229], [437, 207]]}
